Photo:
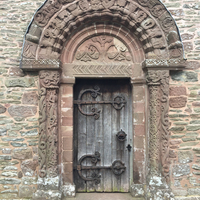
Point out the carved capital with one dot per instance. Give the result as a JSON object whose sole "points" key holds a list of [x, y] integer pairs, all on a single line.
{"points": [[49, 79], [156, 77]]}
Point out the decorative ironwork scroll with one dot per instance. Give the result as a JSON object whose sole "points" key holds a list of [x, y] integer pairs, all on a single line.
{"points": [[158, 81], [118, 102], [117, 167], [47, 149]]}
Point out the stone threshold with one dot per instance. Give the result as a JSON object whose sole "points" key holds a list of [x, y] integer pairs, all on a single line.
{"points": [[102, 196]]}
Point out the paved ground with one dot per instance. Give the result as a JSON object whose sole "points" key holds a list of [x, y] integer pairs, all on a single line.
{"points": [[102, 196]]}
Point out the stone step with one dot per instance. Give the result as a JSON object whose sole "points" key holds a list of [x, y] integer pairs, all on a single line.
{"points": [[102, 196]]}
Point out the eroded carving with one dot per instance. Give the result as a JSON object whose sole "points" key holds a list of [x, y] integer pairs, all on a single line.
{"points": [[91, 53], [49, 79], [102, 40], [45, 13], [52, 154], [47, 147], [158, 82], [29, 50], [103, 47], [175, 46], [53, 38]]}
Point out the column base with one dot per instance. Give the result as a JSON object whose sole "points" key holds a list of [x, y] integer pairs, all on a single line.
{"points": [[68, 191], [48, 188]]}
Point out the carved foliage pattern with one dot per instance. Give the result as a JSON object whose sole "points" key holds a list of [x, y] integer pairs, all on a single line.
{"points": [[104, 48], [159, 125], [47, 149]]}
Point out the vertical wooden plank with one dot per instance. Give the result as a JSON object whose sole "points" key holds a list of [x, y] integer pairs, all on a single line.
{"points": [[116, 145], [107, 130], [99, 137], [90, 139], [80, 134], [124, 152]]}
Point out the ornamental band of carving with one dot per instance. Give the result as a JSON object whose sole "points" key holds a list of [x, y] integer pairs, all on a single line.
{"points": [[48, 137], [149, 20]]}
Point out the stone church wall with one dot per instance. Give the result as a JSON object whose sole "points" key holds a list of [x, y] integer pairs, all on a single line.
{"points": [[19, 103]]}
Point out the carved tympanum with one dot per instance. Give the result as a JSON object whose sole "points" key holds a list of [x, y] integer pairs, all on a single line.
{"points": [[103, 48]]}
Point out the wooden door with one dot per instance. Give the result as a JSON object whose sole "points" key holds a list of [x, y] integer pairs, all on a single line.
{"points": [[102, 132]]}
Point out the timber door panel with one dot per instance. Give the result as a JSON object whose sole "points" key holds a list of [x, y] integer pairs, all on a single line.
{"points": [[102, 108]]}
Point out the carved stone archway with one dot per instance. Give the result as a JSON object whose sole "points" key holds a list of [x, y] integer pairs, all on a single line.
{"points": [[52, 41]]}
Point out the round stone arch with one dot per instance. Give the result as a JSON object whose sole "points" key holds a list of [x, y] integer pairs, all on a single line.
{"points": [[58, 31]]}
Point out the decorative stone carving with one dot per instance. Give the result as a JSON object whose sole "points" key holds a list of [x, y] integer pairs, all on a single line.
{"points": [[175, 46], [108, 4], [59, 27], [157, 10], [49, 81], [29, 50], [34, 34], [102, 70], [102, 48], [40, 64], [158, 81], [45, 13]]}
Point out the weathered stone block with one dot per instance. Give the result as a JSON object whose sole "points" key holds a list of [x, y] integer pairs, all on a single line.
{"points": [[9, 181], [51, 195], [2, 109], [185, 156], [29, 166], [185, 76], [33, 132], [177, 102], [29, 180], [188, 144], [177, 128], [187, 36], [18, 144], [193, 127], [22, 153], [8, 196], [26, 191], [16, 71], [30, 98], [10, 168], [188, 46], [181, 170], [6, 150], [9, 173], [194, 191], [20, 82], [22, 111], [177, 91], [196, 167]]}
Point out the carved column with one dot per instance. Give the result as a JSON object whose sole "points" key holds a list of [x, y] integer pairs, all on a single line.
{"points": [[158, 83], [48, 138]]}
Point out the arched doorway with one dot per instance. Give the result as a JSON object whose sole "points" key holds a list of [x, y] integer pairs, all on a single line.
{"points": [[134, 40]]}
